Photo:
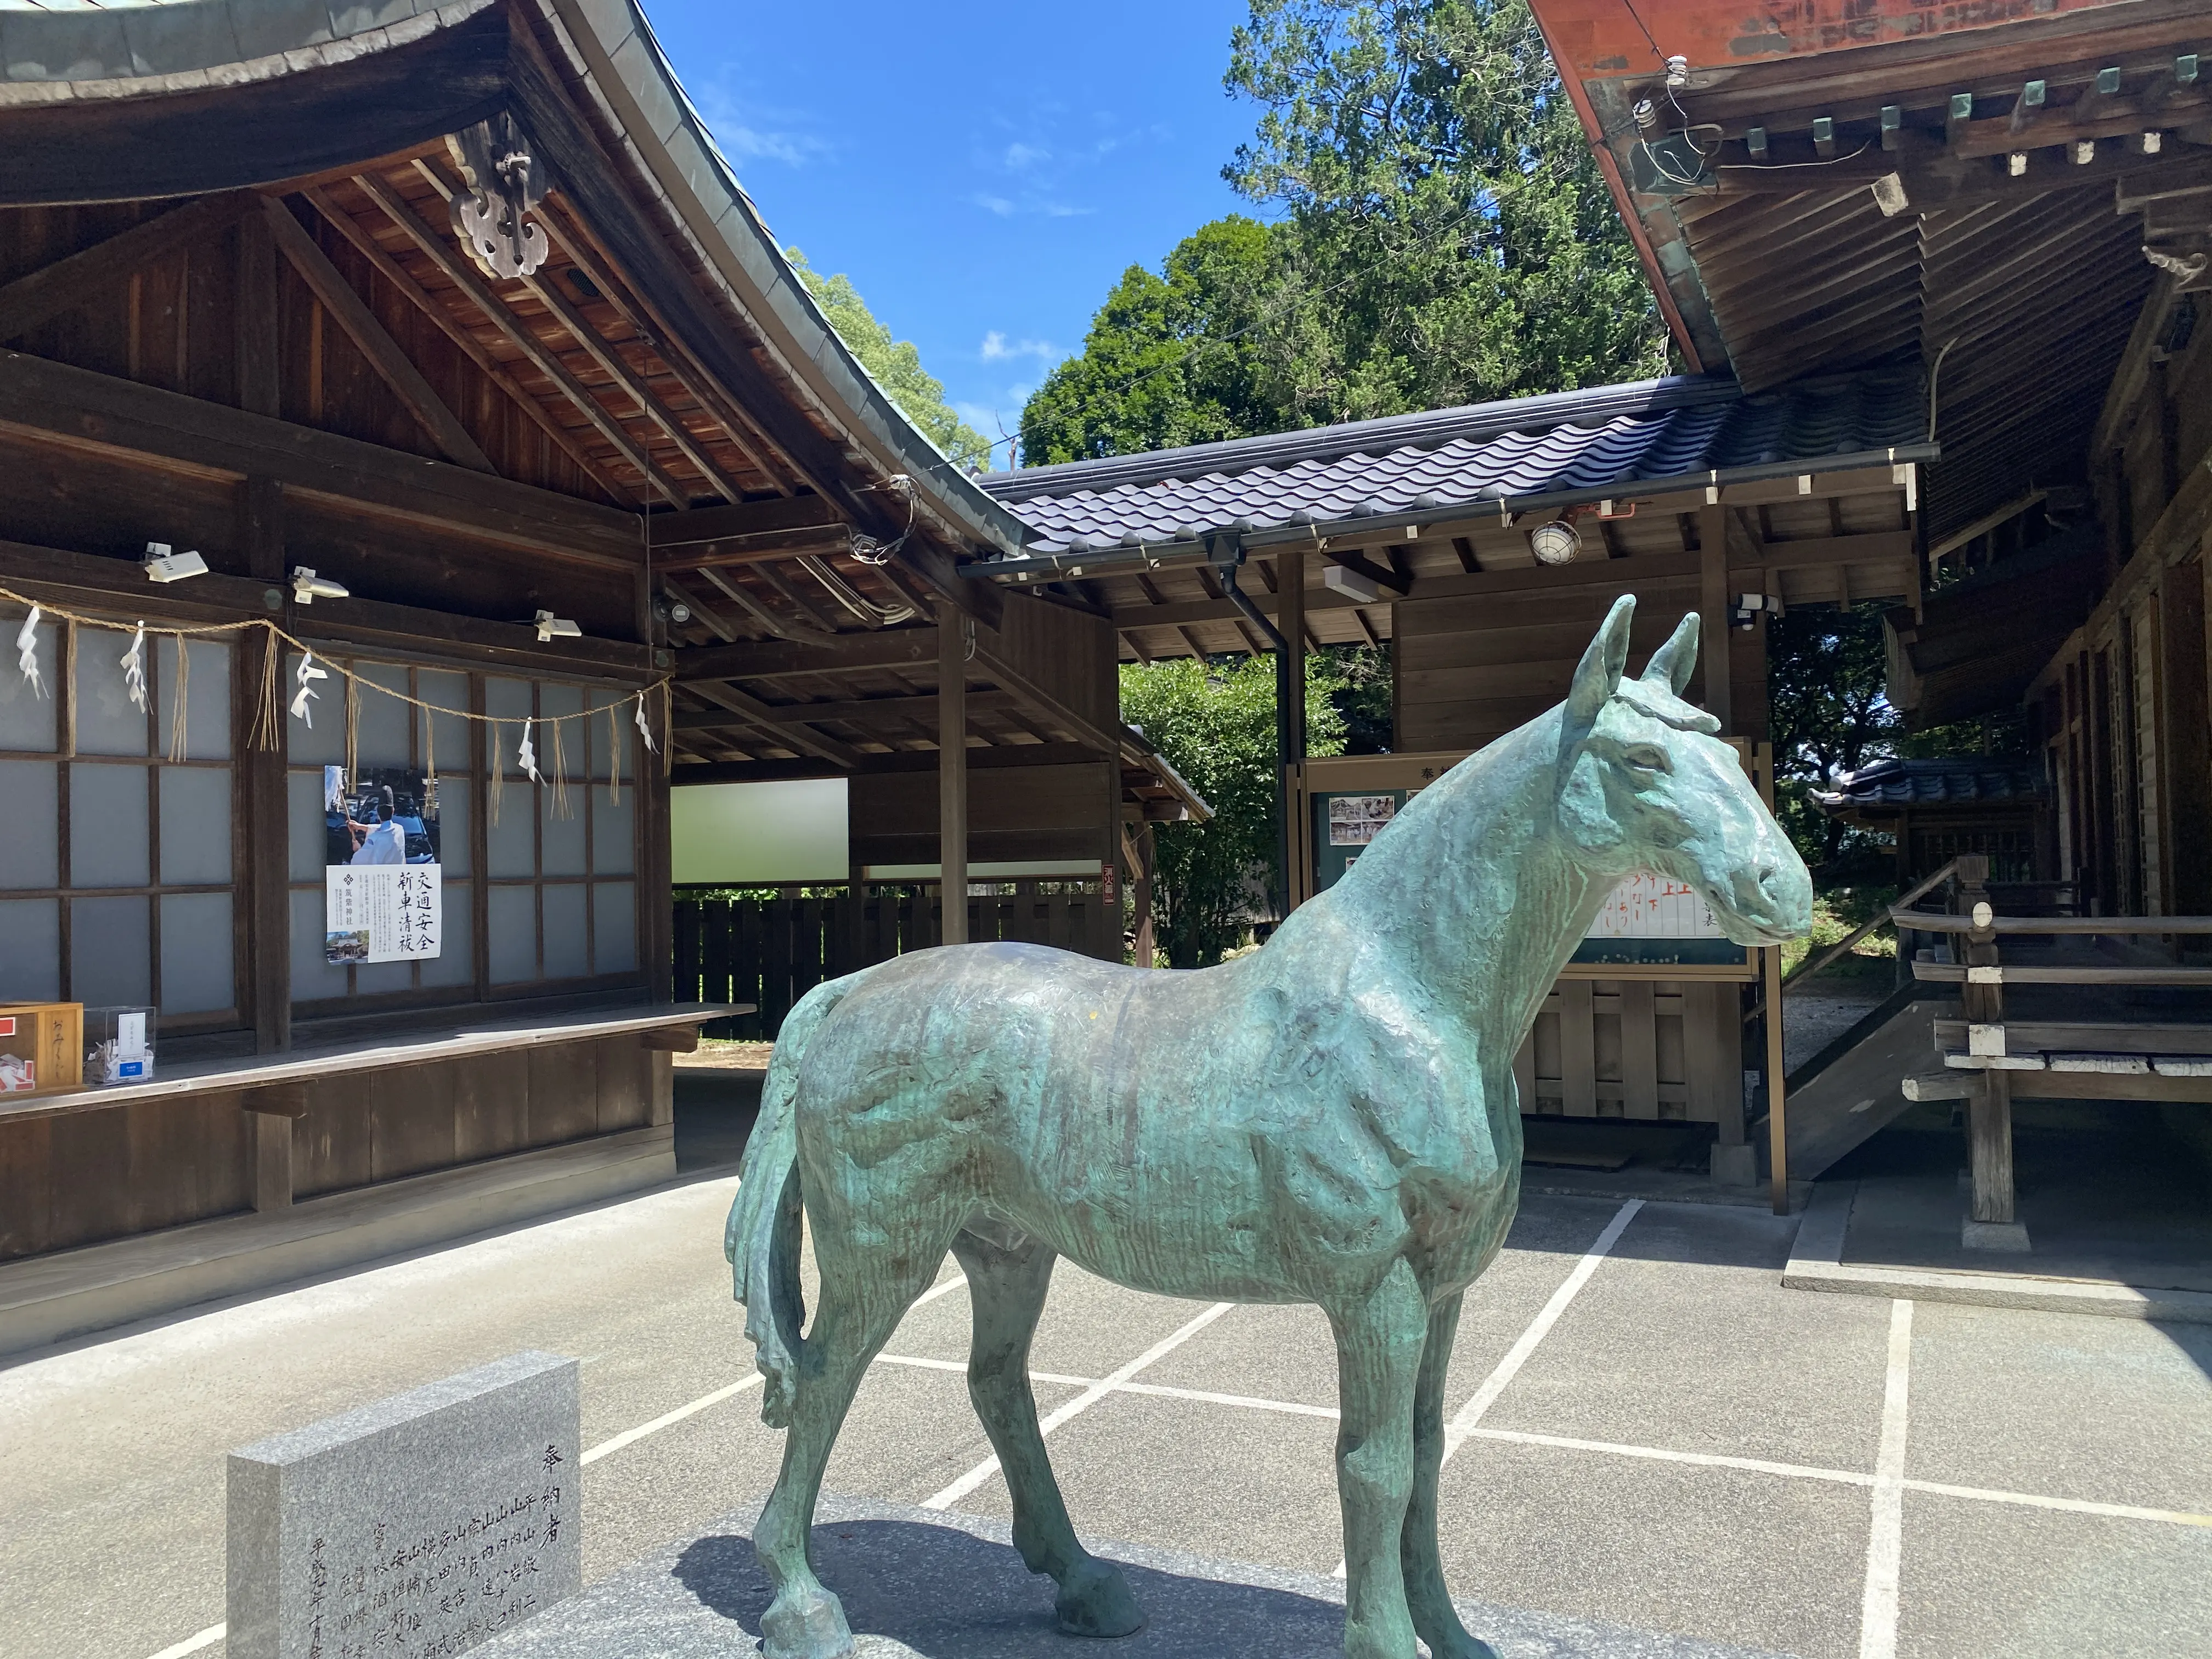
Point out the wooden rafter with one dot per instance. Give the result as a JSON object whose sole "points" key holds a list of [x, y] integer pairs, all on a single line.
{"points": [[796, 734], [457, 270], [694, 380], [386, 355], [493, 370]]}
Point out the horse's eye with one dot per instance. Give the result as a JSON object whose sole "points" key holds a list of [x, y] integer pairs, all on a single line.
{"points": [[1646, 758]]}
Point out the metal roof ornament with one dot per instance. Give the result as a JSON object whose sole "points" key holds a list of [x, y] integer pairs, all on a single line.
{"points": [[505, 182]]}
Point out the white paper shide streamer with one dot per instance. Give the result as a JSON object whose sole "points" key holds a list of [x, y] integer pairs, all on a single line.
{"points": [[26, 652], [526, 757], [644, 729], [304, 674], [134, 669]]}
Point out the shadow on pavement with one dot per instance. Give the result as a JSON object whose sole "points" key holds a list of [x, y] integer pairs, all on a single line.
{"points": [[948, 1595]]}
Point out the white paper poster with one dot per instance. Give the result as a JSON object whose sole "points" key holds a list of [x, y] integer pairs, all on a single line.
{"points": [[383, 900], [1646, 906]]}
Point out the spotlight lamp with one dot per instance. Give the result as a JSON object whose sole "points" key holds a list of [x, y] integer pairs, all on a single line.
{"points": [[674, 611], [162, 565], [308, 586], [550, 626], [1555, 541]]}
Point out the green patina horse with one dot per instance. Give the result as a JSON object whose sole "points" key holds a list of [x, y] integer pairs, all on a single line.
{"points": [[1331, 1120]]}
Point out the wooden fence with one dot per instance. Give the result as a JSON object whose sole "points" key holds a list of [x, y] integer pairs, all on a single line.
{"points": [[771, 952]]}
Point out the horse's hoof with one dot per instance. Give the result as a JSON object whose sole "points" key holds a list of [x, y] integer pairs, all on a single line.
{"points": [[1095, 1601], [806, 1624]]}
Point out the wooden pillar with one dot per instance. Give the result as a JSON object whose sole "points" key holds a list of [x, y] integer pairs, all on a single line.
{"points": [[1291, 717], [1147, 852], [265, 896], [1714, 612], [1989, 1109], [953, 636], [271, 1111], [1777, 1127]]}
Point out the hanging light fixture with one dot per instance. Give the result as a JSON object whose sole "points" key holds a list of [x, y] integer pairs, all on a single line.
{"points": [[1555, 541]]}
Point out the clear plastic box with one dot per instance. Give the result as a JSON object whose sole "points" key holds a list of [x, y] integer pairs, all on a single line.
{"points": [[119, 1046]]}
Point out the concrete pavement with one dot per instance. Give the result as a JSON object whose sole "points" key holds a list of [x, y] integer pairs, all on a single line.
{"points": [[1657, 1435]]}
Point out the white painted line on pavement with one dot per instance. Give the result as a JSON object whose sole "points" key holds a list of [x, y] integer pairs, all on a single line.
{"points": [[631, 1437], [207, 1637], [1885, 1538], [1662, 1454], [2070, 1505], [1082, 1403], [1462, 1423]]}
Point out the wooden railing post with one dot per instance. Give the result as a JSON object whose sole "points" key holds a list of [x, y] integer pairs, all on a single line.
{"points": [[1989, 1109]]}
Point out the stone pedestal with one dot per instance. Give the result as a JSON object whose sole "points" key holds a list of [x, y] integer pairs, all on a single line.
{"points": [[926, 1584]]}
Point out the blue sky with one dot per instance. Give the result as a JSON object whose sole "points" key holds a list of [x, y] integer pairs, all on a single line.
{"points": [[983, 173]]}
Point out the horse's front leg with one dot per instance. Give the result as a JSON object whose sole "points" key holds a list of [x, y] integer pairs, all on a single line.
{"points": [[1426, 1596], [1378, 1358]]}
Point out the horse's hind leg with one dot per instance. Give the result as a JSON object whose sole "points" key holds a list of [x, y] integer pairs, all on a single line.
{"points": [[865, 1290], [1007, 1276], [1427, 1597]]}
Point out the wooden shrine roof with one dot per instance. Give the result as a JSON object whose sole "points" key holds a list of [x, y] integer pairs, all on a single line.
{"points": [[1853, 183]]}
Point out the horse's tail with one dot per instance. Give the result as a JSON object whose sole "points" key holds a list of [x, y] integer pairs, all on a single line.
{"points": [[761, 1238]]}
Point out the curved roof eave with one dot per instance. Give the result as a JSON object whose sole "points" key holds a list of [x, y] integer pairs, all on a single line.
{"points": [[146, 50], [615, 50]]}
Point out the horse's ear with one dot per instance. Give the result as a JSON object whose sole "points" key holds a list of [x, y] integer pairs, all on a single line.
{"points": [[1599, 674], [1671, 663]]}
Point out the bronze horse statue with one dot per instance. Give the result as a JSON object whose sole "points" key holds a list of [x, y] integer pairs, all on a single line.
{"points": [[1333, 1118]]}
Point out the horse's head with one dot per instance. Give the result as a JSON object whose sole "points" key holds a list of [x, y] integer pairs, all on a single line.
{"points": [[1644, 784]]}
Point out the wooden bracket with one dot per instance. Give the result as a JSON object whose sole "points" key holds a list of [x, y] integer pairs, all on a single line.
{"points": [[670, 1039], [278, 1100]]}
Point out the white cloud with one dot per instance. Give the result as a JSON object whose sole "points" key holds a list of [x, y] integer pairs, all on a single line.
{"points": [[747, 134], [997, 348], [1018, 156], [998, 204]]}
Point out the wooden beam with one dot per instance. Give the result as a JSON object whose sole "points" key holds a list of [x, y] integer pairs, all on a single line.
{"points": [[351, 314], [954, 631], [46, 399], [859, 711], [91, 581], [492, 369], [795, 733], [907, 761], [747, 532], [85, 276], [462, 275], [1380, 576], [768, 660]]}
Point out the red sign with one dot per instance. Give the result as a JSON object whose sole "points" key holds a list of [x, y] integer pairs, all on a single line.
{"points": [[1108, 874], [7, 1025]]}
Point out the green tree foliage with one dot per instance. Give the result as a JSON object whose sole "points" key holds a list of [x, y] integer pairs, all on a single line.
{"points": [[1215, 722], [1825, 672], [1170, 359], [1442, 235], [895, 365]]}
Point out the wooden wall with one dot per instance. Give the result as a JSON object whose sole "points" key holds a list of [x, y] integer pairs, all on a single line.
{"points": [[187, 323], [1014, 813], [1637, 1050], [1470, 670], [87, 1176], [2123, 712]]}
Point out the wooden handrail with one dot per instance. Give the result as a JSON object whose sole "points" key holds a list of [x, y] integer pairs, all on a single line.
{"points": [[1813, 965], [1952, 973], [1928, 921]]}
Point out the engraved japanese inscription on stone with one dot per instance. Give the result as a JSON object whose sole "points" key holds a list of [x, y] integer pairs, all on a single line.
{"points": [[413, 1528]]}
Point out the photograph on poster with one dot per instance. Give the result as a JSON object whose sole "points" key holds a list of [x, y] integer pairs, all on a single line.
{"points": [[1356, 820], [381, 865]]}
